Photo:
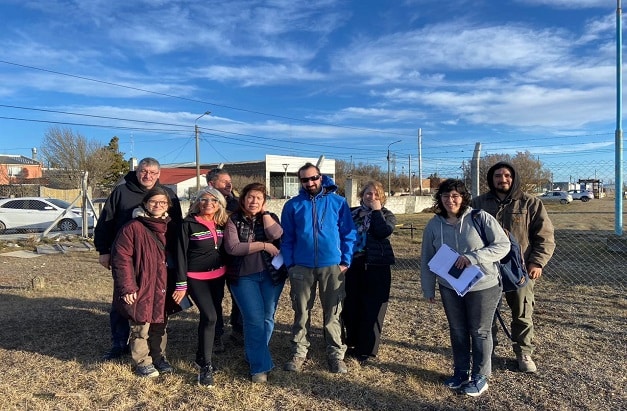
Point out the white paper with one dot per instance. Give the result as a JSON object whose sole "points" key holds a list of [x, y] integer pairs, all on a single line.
{"points": [[277, 261], [441, 264]]}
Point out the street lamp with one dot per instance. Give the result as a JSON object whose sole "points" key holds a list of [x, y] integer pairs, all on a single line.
{"points": [[285, 166], [389, 182], [198, 150]]}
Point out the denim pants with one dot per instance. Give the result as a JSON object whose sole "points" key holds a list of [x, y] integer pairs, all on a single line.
{"points": [[303, 282], [470, 327], [257, 298], [120, 329]]}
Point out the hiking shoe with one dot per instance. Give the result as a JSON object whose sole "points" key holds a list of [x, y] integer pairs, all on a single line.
{"points": [[525, 363], [205, 376], [259, 378], [163, 366], [218, 345], [115, 353], [477, 385], [147, 371], [295, 364], [458, 380], [337, 366]]}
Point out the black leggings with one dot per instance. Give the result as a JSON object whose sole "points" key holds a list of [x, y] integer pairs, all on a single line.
{"points": [[204, 292]]}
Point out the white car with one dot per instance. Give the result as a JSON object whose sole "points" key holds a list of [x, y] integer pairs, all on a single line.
{"points": [[557, 196], [583, 195], [37, 213]]}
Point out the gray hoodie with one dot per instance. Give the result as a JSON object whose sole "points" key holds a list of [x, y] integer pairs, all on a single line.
{"points": [[464, 238]]}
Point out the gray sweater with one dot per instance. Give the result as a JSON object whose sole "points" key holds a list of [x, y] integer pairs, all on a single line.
{"points": [[464, 238]]}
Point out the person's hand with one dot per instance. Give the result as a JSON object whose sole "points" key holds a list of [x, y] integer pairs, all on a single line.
{"points": [[535, 271], [105, 260], [271, 249], [462, 262], [178, 296], [375, 204], [130, 298], [343, 268]]}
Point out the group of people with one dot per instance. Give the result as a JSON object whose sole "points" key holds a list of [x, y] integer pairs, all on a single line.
{"points": [[158, 258]]}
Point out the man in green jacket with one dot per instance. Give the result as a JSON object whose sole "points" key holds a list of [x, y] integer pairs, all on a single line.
{"points": [[526, 218]]}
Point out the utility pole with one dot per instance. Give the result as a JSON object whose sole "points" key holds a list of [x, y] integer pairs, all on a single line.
{"points": [[389, 181], [198, 149], [420, 159]]}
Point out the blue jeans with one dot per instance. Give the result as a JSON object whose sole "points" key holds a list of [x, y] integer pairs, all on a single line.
{"points": [[470, 326], [257, 298]]}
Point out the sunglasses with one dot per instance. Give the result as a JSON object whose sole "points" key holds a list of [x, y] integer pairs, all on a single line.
{"points": [[308, 179]]}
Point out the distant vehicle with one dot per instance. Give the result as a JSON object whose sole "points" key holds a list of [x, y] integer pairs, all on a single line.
{"points": [[37, 213], [583, 195], [557, 196]]}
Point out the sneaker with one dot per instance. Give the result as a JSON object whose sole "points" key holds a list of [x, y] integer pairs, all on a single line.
{"points": [[476, 386], [218, 345], [163, 366], [295, 364], [147, 371], [337, 366], [525, 363], [458, 380], [115, 353], [259, 378], [205, 376]]}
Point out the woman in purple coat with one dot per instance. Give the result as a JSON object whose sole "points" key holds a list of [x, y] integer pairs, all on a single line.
{"points": [[138, 263]]}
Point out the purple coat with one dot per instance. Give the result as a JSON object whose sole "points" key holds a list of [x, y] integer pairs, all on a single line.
{"points": [[138, 263]]}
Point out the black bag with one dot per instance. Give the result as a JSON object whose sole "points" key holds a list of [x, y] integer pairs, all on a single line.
{"points": [[512, 267]]}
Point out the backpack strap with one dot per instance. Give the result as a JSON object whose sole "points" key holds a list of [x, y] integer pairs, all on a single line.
{"points": [[157, 239], [476, 220]]}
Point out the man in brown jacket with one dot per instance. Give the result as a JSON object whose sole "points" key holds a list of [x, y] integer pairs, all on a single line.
{"points": [[526, 218]]}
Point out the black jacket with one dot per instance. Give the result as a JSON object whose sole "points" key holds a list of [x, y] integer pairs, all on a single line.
{"points": [[118, 210], [378, 249]]}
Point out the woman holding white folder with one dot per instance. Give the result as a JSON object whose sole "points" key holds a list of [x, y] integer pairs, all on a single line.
{"points": [[469, 313]]}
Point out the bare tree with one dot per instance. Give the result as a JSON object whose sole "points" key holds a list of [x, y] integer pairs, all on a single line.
{"points": [[69, 154]]}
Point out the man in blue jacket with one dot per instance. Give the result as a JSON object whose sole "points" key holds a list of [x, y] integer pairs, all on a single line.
{"points": [[317, 247]]}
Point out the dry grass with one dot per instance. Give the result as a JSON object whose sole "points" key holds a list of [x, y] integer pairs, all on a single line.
{"points": [[51, 340]]}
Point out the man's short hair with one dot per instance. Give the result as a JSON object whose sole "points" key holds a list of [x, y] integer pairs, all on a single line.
{"points": [[214, 174], [149, 161], [308, 165]]}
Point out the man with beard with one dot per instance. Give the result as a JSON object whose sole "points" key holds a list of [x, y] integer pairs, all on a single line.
{"points": [[526, 218], [317, 247]]}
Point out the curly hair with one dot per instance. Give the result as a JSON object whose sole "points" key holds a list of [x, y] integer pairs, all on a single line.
{"points": [[446, 186], [378, 187]]}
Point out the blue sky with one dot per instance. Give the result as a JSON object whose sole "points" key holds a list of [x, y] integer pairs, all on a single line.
{"points": [[342, 78]]}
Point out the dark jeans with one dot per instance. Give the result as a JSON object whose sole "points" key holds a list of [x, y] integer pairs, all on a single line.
{"points": [[470, 327], [120, 329], [237, 322], [365, 305]]}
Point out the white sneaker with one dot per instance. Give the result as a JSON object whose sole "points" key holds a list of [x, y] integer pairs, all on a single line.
{"points": [[525, 363]]}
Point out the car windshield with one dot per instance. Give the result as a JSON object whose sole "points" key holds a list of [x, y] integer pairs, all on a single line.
{"points": [[59, 203]]}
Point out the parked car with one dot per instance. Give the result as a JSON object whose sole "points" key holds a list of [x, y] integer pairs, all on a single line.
{"points": [[557, 196], [37, 213], [583, 195]]}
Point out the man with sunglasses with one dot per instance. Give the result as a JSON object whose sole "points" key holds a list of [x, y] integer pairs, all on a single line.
{"points": [[117, 211], [317, 247]]}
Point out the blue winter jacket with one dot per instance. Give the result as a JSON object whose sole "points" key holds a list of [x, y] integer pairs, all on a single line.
{"points": [[318, 231]]}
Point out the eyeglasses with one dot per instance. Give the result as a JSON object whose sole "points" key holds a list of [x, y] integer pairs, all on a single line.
{"points": [[206, 200], [308, 179], [157, 203], [451, 197], [148, 173]]}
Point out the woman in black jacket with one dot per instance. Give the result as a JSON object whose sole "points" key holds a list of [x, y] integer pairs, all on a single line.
{"points": [[369, 277]]}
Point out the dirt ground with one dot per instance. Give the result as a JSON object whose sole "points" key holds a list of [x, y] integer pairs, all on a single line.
{"points": [[51, 339]]}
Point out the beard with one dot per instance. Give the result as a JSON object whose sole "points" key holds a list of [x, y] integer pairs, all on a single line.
{"points": [[502, 190]]}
